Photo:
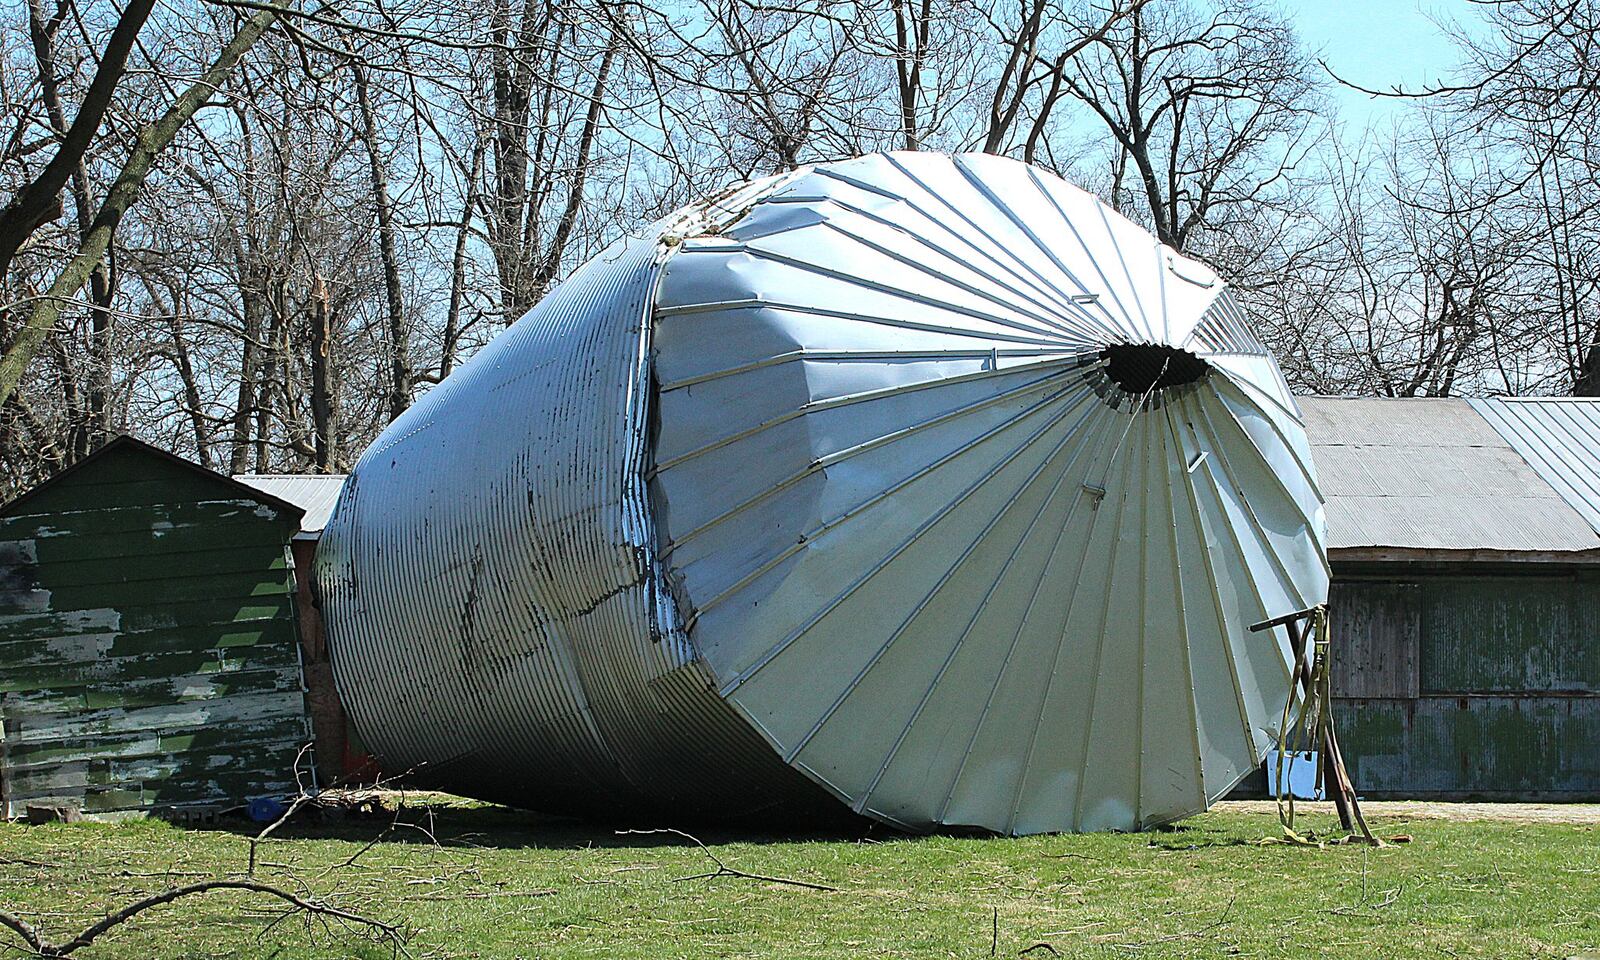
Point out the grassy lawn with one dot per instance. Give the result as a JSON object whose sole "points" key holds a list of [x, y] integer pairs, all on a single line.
{"points": [[501, 884]]}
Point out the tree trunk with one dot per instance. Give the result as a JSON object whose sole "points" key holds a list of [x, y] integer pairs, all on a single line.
{"points": [[400, 376], [101, 364], [39, 200], [551, 265], [191, 393], [182, 359], [274, 367], [1588, 382], [321, 380], [97, 429], [458, 268], [250, 297], [149, 143], [512, 104]]}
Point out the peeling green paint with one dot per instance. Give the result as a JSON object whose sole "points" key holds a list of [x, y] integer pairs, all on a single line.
{"points": [[1509, 698], [1511, 635], [1491, 747], [148, 653]]}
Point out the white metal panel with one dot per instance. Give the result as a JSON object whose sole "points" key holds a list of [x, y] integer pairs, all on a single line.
{"points": [[315, 493], [1560, 438], [890, 578]]}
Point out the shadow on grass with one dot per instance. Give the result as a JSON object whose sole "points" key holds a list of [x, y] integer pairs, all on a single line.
{"points": [[425, 819]]}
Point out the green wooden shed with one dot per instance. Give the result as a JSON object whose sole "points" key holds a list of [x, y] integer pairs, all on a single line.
{"points": [[148, 647], [1464, 537]]}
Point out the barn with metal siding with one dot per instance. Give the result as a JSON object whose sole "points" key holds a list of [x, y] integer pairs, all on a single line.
{"points": [[148, 647], [1464, 538]]}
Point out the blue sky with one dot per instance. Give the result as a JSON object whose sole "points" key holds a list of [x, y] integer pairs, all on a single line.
{"points": [[1379, 43]]}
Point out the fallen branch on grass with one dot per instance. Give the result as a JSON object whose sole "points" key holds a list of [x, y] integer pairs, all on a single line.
{"points": [[1184, 934], [482, 895], [383, 932], [723, 870], [302, 797], [394, 825], [1369, 910]]}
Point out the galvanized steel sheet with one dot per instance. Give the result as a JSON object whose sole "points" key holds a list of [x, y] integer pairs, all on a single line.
{"points": [[315, 493], [931, 478], [1432, 474], [1560, 437]]}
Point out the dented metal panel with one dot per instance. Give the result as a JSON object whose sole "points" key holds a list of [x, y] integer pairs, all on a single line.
{"points": [[147, 647], [488, 581], [928, 478]]}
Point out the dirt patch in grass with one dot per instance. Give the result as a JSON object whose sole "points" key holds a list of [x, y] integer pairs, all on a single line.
{"points": [[1578, 813]]}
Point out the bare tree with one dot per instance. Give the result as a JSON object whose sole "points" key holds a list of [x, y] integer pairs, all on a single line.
{"points": [[400, 374], [1529, 91], [1038, 47], [148, 144], [1417, 288], [1536, 83], [550, 73], [1210, 108], [39, 200], [382, 186]]}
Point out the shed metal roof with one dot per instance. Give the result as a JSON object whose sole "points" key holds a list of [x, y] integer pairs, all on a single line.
{"points": [[315, 493], [1435, 474], [1560, 439]]}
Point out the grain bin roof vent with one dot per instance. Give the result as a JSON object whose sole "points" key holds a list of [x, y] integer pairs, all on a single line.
{"points": [[1141, 369], [830, 488]]}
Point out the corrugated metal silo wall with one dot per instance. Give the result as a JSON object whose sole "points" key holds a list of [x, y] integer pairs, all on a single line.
{"points": [[492, 611], [1459, 684], [147, 648]]}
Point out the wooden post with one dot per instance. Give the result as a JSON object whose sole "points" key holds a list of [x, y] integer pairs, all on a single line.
{"points": [[1335, 779], [1335, 776]]}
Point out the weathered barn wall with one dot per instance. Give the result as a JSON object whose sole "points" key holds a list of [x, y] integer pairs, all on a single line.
{"points": [[1460, 684], [148, 654]]}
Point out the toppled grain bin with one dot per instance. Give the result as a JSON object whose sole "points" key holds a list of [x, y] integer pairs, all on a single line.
{"points": [[931, 478]]}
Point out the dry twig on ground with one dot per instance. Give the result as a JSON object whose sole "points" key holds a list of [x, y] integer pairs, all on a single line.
{"points": [[723, 870], [389, 933], [300, 904]]}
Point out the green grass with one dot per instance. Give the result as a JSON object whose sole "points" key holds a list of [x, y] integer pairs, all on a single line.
{"points": [[502, 884]]}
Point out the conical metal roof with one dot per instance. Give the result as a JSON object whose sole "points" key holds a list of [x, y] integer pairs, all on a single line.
{"points": [[931, 477]]}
